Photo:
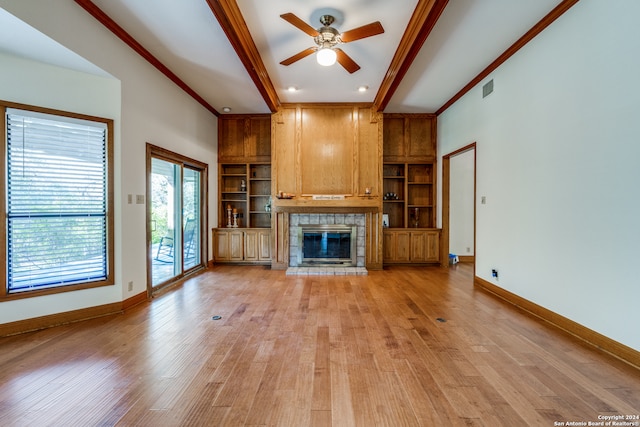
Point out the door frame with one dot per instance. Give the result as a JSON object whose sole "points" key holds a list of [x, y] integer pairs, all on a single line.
{"points": [[153, 151], [446, 201]]}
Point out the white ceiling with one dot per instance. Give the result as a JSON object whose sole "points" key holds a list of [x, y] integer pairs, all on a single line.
{"points": [[276, 40], [19, 39], [186, 37]]}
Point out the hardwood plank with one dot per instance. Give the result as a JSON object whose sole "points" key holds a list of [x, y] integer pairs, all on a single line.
{"points": [[341, 401], [325, 351], [322, 373], [417, 395], [244, 393], [263, 403], [363, 404]]}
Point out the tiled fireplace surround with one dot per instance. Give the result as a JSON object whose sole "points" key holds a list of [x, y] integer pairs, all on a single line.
{"points": [[297, 219]]}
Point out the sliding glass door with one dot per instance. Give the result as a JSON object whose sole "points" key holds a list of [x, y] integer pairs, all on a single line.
{"points": [[176, 216], [165, 236], [191, 217]]}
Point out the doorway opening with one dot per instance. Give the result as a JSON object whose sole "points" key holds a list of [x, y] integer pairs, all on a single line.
{"points": [[459, 205]]}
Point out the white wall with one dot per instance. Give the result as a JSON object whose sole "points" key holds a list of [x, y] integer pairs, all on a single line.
{"points": [[461, 203], [557, 159], [146, 107]]}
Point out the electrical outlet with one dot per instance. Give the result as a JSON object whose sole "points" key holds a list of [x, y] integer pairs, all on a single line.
{"points": [[483, 200], [140, 199], [494, 273], [130, 286], [468, 250], [129, 198]]}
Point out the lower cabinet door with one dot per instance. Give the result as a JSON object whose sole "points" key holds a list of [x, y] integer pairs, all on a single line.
{"points": [[411, 246], [396, 246], [251, 245], [221, 246], [403, 245], [236, 246], [248, 245], [388, 246], [264, 245], [418, 246], [433, 246]]}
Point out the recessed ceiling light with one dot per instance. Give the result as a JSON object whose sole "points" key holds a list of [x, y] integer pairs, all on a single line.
{"points": [[292, 89], [226, 109], [363, 88]]}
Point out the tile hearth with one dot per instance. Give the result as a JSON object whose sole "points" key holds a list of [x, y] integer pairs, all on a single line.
{"points": [[327, 271]]}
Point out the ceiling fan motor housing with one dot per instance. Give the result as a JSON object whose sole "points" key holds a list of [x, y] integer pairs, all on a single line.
{"points": [[327, 36], [326, 20]]}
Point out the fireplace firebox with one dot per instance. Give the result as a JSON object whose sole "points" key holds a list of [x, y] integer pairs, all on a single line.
{"points": [[327, 244]]}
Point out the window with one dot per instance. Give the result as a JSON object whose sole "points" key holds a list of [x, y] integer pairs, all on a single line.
{"points": [[57, 203]]}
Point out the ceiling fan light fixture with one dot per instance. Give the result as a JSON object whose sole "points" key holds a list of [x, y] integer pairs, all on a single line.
{"points": [[326, 56]]}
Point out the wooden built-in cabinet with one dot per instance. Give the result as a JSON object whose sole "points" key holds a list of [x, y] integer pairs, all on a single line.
{"points": [[335, 149], [409, 186], [420, 246], [244, 164], [234, 245]]}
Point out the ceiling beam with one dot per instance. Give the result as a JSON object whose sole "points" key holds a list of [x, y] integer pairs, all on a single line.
{"points": [[557, 12], [116, 29], [422, 21], [228, 15]]}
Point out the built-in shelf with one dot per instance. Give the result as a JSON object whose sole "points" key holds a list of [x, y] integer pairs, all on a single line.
{"points": [[246, 188], [413, 185]]}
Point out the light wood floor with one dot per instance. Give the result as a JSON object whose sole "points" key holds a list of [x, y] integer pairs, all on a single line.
{"points": [[312, 351]]}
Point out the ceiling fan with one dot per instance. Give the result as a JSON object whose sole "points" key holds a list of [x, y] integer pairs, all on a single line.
{"points": [[327, 38]]}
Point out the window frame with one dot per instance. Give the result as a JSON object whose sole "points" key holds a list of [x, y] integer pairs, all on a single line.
{"points": [[5, 294]]}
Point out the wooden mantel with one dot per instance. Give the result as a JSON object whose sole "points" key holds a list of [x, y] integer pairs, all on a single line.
{"points": [[351, 205]]}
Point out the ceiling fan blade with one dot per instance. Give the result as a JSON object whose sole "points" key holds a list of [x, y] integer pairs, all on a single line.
{"points": [[368, 30], [297, 22], [298, 56], [346, 61]]}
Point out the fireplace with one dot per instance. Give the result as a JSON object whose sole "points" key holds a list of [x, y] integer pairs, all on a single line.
{"points": [[327, 245], [334, 243]]}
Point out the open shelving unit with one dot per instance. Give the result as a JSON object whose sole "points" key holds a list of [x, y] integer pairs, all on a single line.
{"points": [[420, 199], [247, 189], [394, 184], [260, 195], [409, 190]]}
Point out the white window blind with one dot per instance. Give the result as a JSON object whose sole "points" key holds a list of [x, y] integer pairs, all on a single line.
{"points": [[56, 201]]}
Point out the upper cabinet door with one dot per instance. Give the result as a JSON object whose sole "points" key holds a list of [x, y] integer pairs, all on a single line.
{"points": [[393, 137], [230, 139], [420, 137], [244, 138], [258, 139], [409, 137]]}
